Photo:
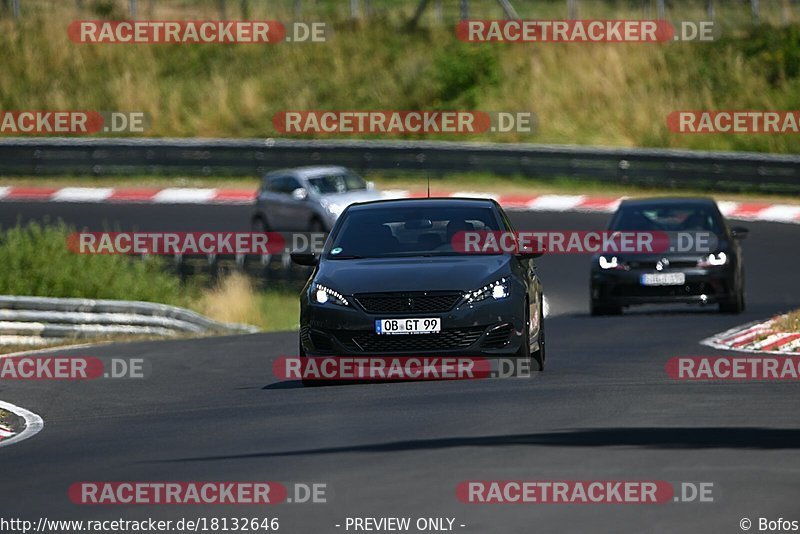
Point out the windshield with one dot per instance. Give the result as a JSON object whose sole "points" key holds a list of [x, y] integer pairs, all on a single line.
{"points": [[398, 232], [336, 183], [667, 219]]}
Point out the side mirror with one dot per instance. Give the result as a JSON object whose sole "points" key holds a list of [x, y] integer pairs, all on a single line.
{"points": [[304, 258], [534, 250], [300, 193], [370, 186], [739, 232]]}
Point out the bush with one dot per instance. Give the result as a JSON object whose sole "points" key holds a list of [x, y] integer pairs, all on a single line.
{"points": [[36, 262]]}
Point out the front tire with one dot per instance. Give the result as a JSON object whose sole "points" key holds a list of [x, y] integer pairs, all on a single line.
{"points": [[306, 383], [316, 226], [735, 306], [259, 224], [539, 357]]}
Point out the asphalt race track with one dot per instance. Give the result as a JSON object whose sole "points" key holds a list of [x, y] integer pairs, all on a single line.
{"points": [[604, 409]]}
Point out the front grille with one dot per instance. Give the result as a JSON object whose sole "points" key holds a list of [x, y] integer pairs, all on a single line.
{"points": [[497, 337], [651, 265], [446, 340], [408, 302], [691, 289]]}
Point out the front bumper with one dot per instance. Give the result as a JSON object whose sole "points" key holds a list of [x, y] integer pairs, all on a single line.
{"points": [[490, 327], [702, 286]]}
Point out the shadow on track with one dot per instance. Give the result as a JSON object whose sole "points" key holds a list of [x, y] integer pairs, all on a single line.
{"points": [[654, 438]]}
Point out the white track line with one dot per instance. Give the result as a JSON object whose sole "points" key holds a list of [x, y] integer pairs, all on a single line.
{"points": [[82, 194], [184, 195], [33, 424]]}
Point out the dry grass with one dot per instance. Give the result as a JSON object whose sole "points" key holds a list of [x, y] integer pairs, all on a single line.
{"points": [[788, 323], [4, 417], [235, 300], [616, 94]]}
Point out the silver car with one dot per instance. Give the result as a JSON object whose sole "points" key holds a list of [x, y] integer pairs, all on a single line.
{"points": [[308, 198]]}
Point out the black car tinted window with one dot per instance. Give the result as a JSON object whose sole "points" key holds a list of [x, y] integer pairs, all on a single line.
{"points": [[408, 231], [682, 218]]}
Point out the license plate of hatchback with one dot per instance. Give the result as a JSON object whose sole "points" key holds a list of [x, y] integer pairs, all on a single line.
{"points": [[663, 279], [428, 325]]}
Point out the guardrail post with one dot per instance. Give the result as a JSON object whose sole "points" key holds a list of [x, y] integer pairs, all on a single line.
{"points": [[572, 9]]}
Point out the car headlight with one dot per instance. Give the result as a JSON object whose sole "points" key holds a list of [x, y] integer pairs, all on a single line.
{"points": [[713, 260], [321, 294], [335, 209], [610, 263], [497, 290]]}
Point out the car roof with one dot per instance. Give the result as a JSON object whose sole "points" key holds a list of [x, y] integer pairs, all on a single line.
{"points": [[310, 171], [434, 202], [668, 202]]}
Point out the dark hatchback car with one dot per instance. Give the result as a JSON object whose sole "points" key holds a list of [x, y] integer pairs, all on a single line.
{"points": [[389, 282], [713, 276]]}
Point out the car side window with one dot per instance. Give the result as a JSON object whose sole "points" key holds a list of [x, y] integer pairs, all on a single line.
{"points": [[283, 185], [506, 221], [271, 183], [292, 183]]}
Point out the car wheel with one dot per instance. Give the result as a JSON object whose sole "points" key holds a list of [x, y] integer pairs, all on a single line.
{"points": [[598, 308], [316, 226], [539, 357], [307, 383], [735, 305], [259, 224]]}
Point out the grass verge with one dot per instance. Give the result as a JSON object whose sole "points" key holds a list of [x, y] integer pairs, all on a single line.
{"points": [[10, 421], [788, 323], [616, 94], [36, 262], [235, 300]]}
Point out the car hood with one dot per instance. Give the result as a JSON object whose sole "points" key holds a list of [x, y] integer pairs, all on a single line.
{"points": [[378, 275], [351, 197]]}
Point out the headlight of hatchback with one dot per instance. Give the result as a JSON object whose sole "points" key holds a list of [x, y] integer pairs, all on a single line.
{"points": [[321, 294], [334, 208], [713, 260], [497, 290], [609, 263]]}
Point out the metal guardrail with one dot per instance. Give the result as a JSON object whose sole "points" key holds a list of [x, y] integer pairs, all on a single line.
{"points": [[41, 320], [251, 157]]}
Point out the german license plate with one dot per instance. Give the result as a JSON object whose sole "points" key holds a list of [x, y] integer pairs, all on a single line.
{"points": [[426, 325], [663, 279]]}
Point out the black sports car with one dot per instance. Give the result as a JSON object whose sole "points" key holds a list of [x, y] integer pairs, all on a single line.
{"points": [[714, 276], [390, 282]]}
